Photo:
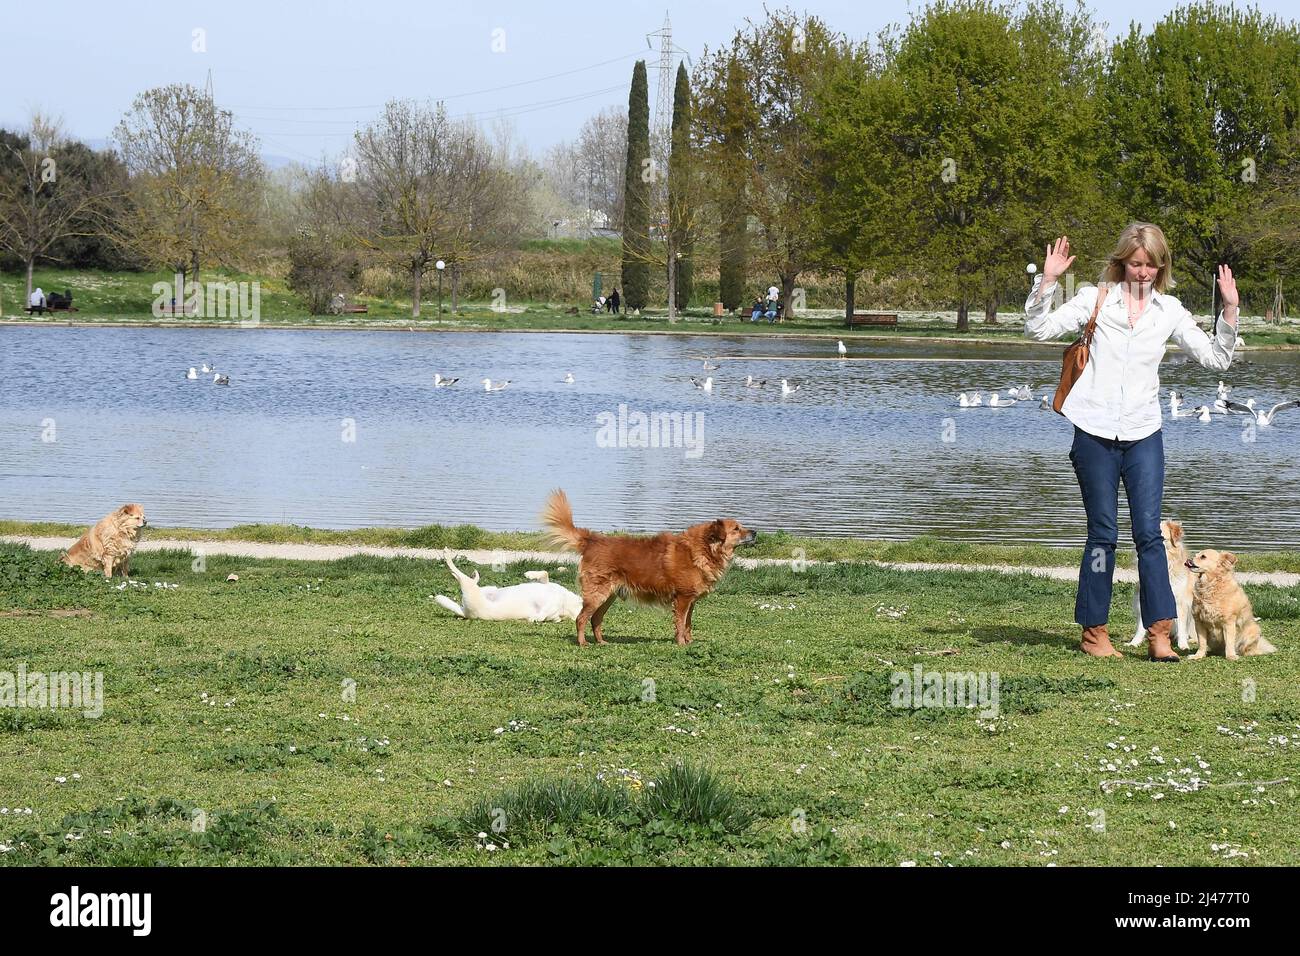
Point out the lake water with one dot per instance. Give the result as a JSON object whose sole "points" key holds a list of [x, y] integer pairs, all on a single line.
{"points": [[344, 429]]}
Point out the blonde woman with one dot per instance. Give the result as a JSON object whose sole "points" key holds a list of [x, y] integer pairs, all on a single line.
{"points": [[1115, 409]]}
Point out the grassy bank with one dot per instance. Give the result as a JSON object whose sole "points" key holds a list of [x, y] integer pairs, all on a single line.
{"points": [[330, 713], [777, 544], [125, 298]]}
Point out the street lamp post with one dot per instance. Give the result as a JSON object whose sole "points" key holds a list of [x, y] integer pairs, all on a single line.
{"points": [[440, 265]]}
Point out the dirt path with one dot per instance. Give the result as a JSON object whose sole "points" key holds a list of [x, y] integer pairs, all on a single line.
{"points": [[332, 552]]}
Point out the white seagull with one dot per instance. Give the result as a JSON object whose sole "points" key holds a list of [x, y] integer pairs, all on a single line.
{"points": [[750, 383], [440, 382], [1262, 418], [1175, 401], [218, 379], [708, 367], [491, 386], [970, 399], [192, 373], [704, 386], [842, 350], [997, 401], [1224, 389], [786, 389], [206, 369], [1046, 402], [1204, 415], [568, 378]]}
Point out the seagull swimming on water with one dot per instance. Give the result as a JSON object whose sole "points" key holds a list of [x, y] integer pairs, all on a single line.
{"points": [[970, 399], [750, 383], [787, 389], [218, 379], [491, 386], [704, 386], [440, 382], [568, 378], [997, 401], [191, 373]]}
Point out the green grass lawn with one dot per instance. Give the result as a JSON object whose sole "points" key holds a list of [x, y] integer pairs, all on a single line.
{"points": [[127, 297], [331, 713]]}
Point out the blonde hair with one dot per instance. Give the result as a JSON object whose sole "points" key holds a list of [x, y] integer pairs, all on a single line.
{"points": [[1151, 239]]}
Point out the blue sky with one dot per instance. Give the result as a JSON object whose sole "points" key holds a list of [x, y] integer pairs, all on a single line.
{"points": [[302, 75]]}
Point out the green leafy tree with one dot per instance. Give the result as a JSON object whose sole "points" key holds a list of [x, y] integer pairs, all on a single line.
{"points": [[1204, 107], [996, 138]]}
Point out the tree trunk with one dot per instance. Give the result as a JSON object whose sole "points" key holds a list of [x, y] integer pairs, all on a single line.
{"points": [[455, 287], [416, 276], [194, 264], [850, 286], [991, 310], [963, 316], [672, 284], [787, 293], [30, 264]]}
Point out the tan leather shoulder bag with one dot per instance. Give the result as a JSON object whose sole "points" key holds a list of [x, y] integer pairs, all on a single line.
{"points": [[1076, 355]]}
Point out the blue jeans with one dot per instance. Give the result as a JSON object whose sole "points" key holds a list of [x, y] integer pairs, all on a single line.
{"points": [[1100, 464]]}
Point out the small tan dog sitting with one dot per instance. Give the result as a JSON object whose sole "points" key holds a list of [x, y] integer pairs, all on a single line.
{"points": [[1225, 622], [108, 545]]}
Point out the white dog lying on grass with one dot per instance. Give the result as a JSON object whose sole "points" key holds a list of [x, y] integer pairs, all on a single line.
{"points": [[538, 600]]}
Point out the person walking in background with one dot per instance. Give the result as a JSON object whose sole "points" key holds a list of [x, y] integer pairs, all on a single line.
{"points": [[1115, 409], [612, 302]]}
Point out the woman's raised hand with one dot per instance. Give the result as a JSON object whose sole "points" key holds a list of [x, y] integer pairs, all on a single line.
{"points": [[1227, 288], [1058, 260]]}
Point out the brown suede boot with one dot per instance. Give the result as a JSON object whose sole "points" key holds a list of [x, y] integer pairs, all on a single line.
{"points": [[1096, 641], [1158, 648]]}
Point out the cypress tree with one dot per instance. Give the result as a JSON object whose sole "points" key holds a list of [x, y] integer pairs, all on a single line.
{"points": [[681, 198], [733, 264], [636, 194]]}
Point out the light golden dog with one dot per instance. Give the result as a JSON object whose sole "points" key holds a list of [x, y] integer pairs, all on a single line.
{"points": [[1180, 579], [1224, 619], [108, 545]]}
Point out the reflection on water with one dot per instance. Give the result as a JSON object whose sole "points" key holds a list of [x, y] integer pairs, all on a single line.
{"points": [[860, 450]]}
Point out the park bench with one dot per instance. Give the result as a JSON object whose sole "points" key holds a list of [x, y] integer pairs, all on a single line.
{"points": [[355, 309], [54, 302], [177, 310], [872, 318]]}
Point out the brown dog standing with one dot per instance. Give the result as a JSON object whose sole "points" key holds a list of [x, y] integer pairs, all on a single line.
{"points": [[674, 570], [108, 545]]}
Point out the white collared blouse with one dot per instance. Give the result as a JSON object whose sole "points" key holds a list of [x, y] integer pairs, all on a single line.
{"points": [[1118, 394]]}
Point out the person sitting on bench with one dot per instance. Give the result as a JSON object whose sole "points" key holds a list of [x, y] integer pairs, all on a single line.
{"points": [[757, 310], [56, 302], [36, 303]]}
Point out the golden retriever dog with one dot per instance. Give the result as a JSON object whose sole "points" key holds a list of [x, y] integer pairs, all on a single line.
{"points": [[672, 570], [1224, 620], [1180, 579], [108, 545]]}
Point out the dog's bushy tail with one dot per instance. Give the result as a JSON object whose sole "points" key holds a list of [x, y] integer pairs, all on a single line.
{"points": [[1264, 647], [557, 516]]}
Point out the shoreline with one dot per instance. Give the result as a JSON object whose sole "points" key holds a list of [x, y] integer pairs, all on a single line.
{"points": [[489, 556], [399, 325]]}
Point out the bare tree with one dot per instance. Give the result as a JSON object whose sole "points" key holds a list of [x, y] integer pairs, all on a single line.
{"points": [[44, 199], [430, 188], [196, 179]]}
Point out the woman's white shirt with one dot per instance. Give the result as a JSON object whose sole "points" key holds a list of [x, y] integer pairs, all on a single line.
{"points": [[1118, 394]]}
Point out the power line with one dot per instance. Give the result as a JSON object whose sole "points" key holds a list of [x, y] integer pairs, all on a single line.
{"points": [[453, 96]]}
